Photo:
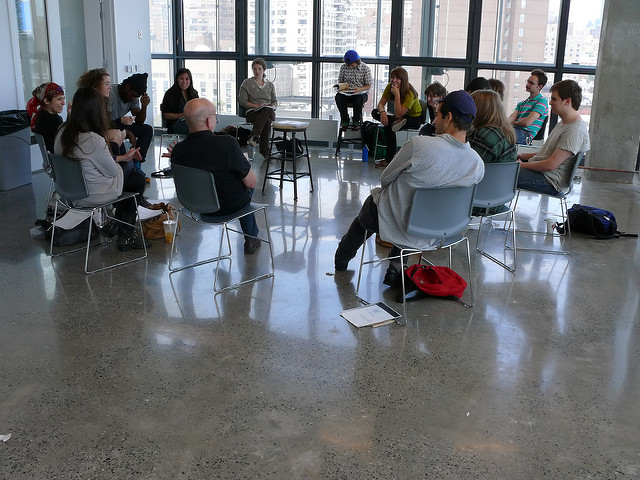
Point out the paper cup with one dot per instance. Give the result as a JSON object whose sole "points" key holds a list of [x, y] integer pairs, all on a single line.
{"points": [[170, 227]]}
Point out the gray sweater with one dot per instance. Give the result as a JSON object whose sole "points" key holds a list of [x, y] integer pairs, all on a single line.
{"points": [[103, 176], [250, 91], [440, 161]]}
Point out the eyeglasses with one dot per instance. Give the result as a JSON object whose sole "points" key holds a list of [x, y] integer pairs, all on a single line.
{"points": [[529, 82]]}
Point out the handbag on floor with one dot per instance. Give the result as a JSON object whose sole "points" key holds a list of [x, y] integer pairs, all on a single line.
{"points": [[153, 228]]}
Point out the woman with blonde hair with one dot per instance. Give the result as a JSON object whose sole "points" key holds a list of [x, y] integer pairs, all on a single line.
{"points": [[492, 135], [407, 110]]}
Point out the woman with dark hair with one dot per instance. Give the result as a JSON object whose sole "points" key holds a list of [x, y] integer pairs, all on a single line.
{"points": [[258, 96], [175, 99], [407, 110], [45, 108], [82, 138], [497, 86]]}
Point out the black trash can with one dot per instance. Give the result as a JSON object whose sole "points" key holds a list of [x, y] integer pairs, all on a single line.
{"points": [[15, 149]]}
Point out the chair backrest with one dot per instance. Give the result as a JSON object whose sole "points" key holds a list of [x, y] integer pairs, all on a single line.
{"points": [[441, 212], [68, 178], [45, 154], [195, 188], [540, 134], [242, 111], [578, 157], [498, 186], [425, 111]]}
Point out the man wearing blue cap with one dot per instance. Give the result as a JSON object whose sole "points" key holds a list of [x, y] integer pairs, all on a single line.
{"points": [[354, 82], [444, 160]]}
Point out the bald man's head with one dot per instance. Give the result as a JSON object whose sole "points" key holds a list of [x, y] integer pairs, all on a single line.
{"points": [[200, 114]]}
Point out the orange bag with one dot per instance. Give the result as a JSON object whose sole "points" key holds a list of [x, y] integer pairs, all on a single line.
{"points": [[153, 228]]}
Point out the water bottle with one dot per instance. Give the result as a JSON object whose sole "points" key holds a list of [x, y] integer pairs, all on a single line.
{"points": [[365, 154]]}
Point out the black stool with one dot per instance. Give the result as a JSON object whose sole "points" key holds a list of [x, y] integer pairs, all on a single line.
{"points": [[281, 173]]}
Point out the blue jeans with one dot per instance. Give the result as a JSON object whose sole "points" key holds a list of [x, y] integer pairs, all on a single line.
{"points": [[535, 181], [521, 136]]}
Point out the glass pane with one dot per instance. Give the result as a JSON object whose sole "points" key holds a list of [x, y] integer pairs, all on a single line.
{"points": [[209, 26], [287, 28], [33, 39], [583, 37], [161, 16], [586, 82], [293, 87], [450, 78], [329, 75], [516, 31], [216, 81], [435, 28], [161, 80], [365, 28], [514, 86]]}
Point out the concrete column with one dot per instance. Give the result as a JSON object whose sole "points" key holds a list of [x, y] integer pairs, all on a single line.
{"points": [[615, 115]]}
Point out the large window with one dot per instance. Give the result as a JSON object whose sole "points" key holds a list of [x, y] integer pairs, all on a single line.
{"points": [[292, 82], [215, 80], [303, 41], [280, 27], [34, 44], [583, 37], [435, 28], [505, 37], [364, 26], [209, 25]]}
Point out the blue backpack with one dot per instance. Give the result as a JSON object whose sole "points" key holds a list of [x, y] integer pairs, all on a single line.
{"points": [[594, 221]]}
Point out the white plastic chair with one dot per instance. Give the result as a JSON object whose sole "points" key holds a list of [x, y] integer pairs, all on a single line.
{"points": [[442, 214]]}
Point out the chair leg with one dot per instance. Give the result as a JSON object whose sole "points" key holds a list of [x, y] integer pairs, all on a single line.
{"points": [[266, 171], [510, 224], [306, 149], [564, 214]]}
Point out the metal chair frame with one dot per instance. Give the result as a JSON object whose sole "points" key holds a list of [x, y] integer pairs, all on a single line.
{"points": [[562, 197], [70, 187], [196, 191], [445, 224], [498, 187]]}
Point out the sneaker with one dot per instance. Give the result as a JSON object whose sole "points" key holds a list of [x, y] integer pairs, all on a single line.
{"points": [[382, 164], [340, 265], [392, 277], [344, 126], [356, 126], [251, 245], [127, 242], [253, 141], [399, 124]]}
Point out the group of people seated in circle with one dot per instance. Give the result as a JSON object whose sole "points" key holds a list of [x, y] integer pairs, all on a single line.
{"points": [[98, 122], [466, 129]]}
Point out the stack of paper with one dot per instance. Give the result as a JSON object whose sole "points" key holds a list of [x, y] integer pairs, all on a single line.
{"points": [[374, 315]]}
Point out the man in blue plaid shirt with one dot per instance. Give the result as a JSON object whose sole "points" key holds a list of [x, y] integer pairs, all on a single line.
{"points": [[354, 81]]}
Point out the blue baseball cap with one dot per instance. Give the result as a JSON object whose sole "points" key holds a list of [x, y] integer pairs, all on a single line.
{"points": [[461, 104], [351, 56]]}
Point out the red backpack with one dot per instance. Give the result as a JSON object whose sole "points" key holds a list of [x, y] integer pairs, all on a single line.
{"points": [[437, 281]]}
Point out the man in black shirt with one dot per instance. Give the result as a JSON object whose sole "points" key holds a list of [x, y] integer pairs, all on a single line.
{"points": [[220, 155]]}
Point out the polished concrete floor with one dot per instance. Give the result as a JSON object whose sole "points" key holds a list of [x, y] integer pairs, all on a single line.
{"points": [[132, 373]]}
